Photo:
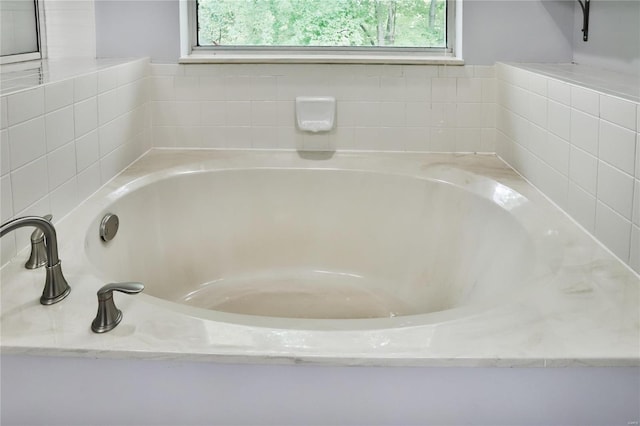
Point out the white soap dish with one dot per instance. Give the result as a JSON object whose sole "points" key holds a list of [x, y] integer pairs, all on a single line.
{"points": [[315, 113]]}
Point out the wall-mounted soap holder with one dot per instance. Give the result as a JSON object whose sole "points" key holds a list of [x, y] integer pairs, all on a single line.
{"points": [[315, 113]]}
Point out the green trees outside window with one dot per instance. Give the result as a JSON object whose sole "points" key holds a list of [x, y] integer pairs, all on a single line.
{"points": [[331, 23]]}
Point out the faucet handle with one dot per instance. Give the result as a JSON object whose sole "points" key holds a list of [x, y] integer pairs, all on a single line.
{"points": [[108, 316], [38, 256]]}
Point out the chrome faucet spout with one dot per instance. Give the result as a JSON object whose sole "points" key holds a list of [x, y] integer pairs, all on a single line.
{"points": [[56, 287]]}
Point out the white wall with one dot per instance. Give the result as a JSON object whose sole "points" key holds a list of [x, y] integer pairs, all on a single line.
{"points": [[498, 30], [70, 29], [81, 391], [517, 31], [135, 28], [614, 36]]}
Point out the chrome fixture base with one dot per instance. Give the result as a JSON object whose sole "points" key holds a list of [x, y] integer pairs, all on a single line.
{"points": [[107, 319], [109, 316], [56, 287]]}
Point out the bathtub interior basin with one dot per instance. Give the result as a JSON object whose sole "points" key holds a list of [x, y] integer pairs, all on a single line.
{"points": [[314, 243]]}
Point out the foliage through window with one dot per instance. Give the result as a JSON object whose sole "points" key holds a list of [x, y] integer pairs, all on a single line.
{"points": [[323, 23]]}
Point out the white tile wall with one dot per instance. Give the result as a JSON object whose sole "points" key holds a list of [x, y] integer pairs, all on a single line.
{"points": [[387, 107], [58, 95], [587, 161], [577, 145], [25, 105], [51, 139], [617, 146]]}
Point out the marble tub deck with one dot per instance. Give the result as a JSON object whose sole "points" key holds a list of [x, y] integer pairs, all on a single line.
{"points": [[587, 313]]}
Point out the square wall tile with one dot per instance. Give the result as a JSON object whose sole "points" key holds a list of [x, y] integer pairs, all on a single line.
{"points": [[107, 79], [584, 131], [238, 113], [559, 120], [64, 198], [582, 207], [469, 90], [25, 105], [617, 146], [417, 114], [89, 181], [615, 189], [417, 89], [554, 184], [557, 154], [392, 114], [107, 106], [213, 113], [29, 184], [58, 95], [442, 140], [85, 116], [583, 170], [87, 150], [488, 140], [468, 140], [537, 141], [60, 128], [85, 86], [392, 89], [416, 139], [27, 142], [538, 84], [489, 90], [559, 91], [469, 115], [538, 110], [443, 90], [585, 100], [443, 115], [618, 111], [61, 164]]}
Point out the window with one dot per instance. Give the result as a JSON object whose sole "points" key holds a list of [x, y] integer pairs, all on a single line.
{"points": [[344, 28], [21, 31]]}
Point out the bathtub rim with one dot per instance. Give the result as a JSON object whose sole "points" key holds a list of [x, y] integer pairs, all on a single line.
{"points": [[531, 340]]}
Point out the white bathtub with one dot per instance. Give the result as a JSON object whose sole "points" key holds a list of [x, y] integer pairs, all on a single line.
{"points": [[343, 240], [383, 259]]}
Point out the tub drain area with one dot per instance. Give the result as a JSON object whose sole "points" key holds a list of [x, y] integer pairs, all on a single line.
{"points": [[299, 294]]}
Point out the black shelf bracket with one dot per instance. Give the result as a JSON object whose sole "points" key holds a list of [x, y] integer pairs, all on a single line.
{"points": [[585, 20]]}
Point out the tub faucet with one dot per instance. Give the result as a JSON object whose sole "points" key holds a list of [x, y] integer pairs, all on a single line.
{"points": [[55, 286], [38, 256]]}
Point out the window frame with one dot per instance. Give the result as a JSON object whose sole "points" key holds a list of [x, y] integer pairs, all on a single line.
{"points": [[192, 53], [40, 37]]}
